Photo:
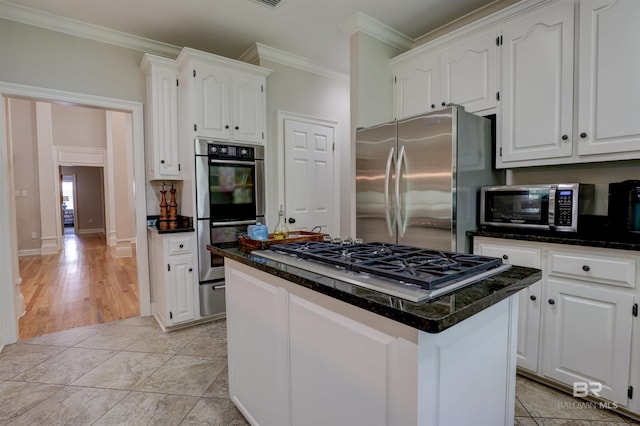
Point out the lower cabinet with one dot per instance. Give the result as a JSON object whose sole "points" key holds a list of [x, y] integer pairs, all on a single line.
{"points": [[174, 278], [580, 323]]}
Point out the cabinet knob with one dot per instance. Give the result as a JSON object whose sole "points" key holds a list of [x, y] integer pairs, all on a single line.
{"points": [[444, 104], [565, 137], [505, 256], [190, 269], [181, 245], [291, 220], [433, 106], [586, 268], [161, 161], [237, 128], [226, 127], [532, 297], [552, 302], [583, 135]]}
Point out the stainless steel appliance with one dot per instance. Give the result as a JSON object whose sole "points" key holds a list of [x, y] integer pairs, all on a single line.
{"points": [[624, 207], [555, 207], [229, 197], [417, 179], [410, 273]]}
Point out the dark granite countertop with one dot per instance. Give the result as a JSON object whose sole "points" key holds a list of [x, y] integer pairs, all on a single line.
{"points": [[184, 224], [432, 316], [590, 240]]}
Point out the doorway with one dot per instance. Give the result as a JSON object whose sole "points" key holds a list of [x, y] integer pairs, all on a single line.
{"points": [[68, 186], [10, 296]]}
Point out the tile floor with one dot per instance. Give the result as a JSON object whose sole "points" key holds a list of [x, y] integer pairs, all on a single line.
{"points": [[131, 373]]}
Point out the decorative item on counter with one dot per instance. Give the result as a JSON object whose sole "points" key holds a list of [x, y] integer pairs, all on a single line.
{"points": [[281, 231], [173, 209], [163, 220], [258, 232]]}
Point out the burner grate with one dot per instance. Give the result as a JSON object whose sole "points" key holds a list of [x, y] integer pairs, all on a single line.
{"points": [[430, 269]]}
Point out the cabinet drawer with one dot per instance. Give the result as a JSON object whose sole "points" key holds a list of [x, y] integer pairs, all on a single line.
{"points": [[179, 246], [617, 271], [519, 256]]}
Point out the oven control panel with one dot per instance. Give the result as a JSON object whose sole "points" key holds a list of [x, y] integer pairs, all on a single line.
{"points": [[231, 152]]}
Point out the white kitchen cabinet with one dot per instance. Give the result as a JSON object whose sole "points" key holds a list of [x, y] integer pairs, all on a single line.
{"points": [[464, 73], [468, 73], [537, 86], [257, 334], [174, 280], [587, 335], [227, 98], [529, 299], [163, 154], [415, 88], [608, 83]]}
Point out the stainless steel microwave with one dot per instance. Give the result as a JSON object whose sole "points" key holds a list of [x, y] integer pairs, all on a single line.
{"points": [[554, 207]]}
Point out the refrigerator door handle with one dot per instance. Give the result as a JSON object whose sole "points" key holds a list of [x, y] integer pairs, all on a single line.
{"points": [[401, 223], [387, 178]]}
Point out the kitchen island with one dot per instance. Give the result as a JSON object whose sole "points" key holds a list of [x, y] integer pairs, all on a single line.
{"points": [[308, 349]]}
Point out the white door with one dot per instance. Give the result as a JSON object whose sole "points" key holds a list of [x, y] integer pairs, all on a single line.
{"points": [[309, 176]]}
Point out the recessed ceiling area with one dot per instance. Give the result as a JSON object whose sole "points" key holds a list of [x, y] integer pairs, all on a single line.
{"points": [[308, 28]]}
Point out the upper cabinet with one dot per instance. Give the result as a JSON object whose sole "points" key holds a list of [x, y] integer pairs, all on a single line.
{"points": [[163, 158], [462, 73], [608, 83], [543, 121], [537, 85], [226, 98]]}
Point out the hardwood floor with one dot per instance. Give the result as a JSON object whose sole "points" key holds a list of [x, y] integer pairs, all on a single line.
{"points": [[82, 285]]}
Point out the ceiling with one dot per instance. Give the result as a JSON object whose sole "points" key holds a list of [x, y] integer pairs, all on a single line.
{"points": [[308, 28]]}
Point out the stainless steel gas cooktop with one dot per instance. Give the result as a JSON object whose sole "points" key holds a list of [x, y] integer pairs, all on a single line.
{"points": [[411, 273]]}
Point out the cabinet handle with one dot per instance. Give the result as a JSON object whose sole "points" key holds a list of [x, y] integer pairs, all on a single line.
{"points": [[565, 137], [161, 161], [552, 302], [583, 135], [586, 268], [532, 297], [181, 245], [505, 256], [433, 106]]}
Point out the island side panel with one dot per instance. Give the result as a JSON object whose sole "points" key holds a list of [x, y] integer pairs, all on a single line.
{"points": [[466, 374]]}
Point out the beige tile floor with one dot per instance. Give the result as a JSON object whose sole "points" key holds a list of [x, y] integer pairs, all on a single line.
{"points": [[131, 373]]}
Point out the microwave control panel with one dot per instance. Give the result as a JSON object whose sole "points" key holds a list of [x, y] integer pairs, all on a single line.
{"points": [[564, 207]]}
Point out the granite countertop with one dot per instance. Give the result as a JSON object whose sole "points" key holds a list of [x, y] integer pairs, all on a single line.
{"points": [[184, 224], [602, 240], [432, 316]]}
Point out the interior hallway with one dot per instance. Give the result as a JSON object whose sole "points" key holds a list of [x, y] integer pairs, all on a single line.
{"points": [[81, 285]]}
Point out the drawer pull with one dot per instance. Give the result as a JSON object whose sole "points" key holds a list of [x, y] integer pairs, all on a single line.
{"points": [[586, 268], [190, 269], [552, 302], [181, 245], [532, 297], [505, 256]]}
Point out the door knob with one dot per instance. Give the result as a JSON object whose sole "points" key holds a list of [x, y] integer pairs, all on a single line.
{"points": [[291, 220], [552, 302], [586, 268], [533, 297], [505, 256]]}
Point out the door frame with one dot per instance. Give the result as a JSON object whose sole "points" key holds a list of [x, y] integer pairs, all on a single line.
{"points": [[9, 273], [335, 126]]}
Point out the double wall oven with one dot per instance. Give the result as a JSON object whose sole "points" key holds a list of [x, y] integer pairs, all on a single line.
{"points": [[229, 197]]}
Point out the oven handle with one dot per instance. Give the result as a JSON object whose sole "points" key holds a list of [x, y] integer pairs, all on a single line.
{"points": [[387, 177], [234, 223], [233, 162]]}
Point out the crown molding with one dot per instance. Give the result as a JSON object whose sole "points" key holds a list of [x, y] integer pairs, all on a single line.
{"points": [[359, 22], [259, 52], [73, 27]]}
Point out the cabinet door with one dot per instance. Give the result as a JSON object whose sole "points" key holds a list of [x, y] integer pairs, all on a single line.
{"points": [[415, 89], [257, 344], [587, 335], [339, 369], [537, 78], [609, 87], [164, 123], [180, 293], [213, 106], [468, 73], [528, 300], [248, 108]]}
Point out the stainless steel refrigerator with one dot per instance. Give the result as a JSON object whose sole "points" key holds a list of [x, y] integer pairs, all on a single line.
{"points": [[417, 179]]}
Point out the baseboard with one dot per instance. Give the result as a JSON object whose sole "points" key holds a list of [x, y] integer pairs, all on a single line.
{"points": [[91, 231], [49, 245], [29, 252], [123, 249]]}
